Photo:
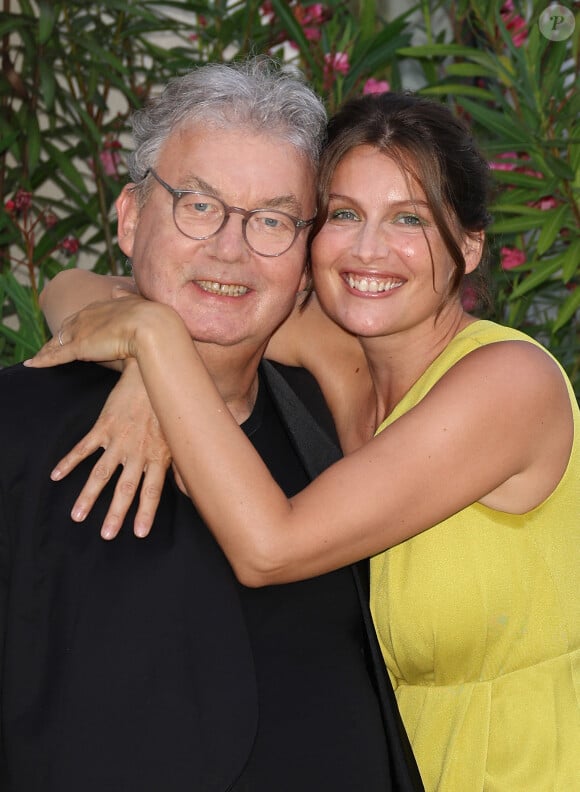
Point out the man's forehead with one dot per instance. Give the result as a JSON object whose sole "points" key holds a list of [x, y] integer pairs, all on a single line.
{"points": [[214, 160]]}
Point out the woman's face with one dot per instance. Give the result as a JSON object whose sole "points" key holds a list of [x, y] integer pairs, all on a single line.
{"points": [[379, 263]]}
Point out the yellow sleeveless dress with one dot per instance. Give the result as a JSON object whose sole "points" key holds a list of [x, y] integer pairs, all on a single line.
{"points": [[479, 624]]}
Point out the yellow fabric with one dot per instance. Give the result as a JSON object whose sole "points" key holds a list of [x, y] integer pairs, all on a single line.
{"points": [[479, 623]]}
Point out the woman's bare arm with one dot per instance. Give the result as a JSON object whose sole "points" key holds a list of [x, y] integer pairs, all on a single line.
{"points": [[73, 289], [453, 449], [128, 429], [310, 339]]}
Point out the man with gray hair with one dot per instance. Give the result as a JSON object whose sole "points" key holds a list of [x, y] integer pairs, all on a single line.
{"points": [[143, 665]]}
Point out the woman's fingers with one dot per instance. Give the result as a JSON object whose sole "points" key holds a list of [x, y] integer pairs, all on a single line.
{"points": [[82, 450], [102, 331], [151, 488]]}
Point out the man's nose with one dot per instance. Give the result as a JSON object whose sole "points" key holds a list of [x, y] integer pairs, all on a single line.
{"points": [[229, 241]]}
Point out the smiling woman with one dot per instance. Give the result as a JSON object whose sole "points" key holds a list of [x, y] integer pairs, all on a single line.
{"points": [[467, 497]]}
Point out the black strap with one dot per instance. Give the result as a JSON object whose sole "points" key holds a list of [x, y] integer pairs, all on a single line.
{"points": [[315, 448], [317, 451]]}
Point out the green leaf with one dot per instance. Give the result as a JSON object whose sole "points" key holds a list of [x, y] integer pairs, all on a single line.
{"points": [[521, 209], [295, 31], [47, 84], [457, 89], [516, 225], [33, 141], [66, 165], [46, 21], [377, 52], [541, 272], [438, 51], [567, 309], [571, 260], [469, 70], [535, 185], [497, 122], [554, 221]]}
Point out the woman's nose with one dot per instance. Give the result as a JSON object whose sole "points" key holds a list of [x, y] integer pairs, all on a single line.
{"points": [[370, 243]]}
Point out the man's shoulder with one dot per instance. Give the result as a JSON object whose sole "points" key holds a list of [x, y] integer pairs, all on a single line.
{"points": [[38, 383], [34, 402]]}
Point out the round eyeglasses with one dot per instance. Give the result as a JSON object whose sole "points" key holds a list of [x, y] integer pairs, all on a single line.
{"points": [[268, 232]]}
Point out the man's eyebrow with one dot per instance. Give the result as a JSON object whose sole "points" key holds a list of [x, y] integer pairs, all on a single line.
{"points": [[286, 203], [193, 182]]}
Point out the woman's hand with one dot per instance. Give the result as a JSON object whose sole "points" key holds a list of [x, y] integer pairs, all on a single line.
{"points": [[102, 331], [129, 431]]}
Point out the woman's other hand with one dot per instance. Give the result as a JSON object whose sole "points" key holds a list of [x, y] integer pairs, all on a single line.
{"points": [[129, 432]]}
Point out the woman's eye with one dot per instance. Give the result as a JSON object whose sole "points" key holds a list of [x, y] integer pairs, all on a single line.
{"points": [[411, 220], [342, 214]]}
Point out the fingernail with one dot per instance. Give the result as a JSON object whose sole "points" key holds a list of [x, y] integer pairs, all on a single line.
{"points": [[56, 474], [78, 514], [141, 531], [107, 532]]}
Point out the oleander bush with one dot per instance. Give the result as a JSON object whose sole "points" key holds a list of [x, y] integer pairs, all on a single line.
{"points": [[73, 72]]}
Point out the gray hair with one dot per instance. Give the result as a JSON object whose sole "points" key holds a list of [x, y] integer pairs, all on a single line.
{"points": [[256, 93]]}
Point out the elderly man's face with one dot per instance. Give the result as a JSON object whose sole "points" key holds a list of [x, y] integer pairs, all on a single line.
{"points": [[244, 169]]}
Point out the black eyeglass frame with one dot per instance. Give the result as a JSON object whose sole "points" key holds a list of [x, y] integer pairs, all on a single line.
{"points": [[299, 224]]}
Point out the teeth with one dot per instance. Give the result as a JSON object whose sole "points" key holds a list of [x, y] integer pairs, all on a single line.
{"points": [[227, 289], [372, 285]]}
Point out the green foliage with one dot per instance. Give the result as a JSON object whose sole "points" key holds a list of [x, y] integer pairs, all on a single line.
{"points": [[74, 71], [518, 89]]}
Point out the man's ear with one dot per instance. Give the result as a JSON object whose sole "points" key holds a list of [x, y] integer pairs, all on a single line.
{"points": [[127, 219], [473, 250]]}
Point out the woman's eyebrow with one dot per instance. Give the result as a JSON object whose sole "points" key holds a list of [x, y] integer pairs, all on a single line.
{"points": [[396, 204]]}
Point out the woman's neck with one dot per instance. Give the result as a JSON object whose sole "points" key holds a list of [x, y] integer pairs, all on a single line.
{"points": [[398, 360]]}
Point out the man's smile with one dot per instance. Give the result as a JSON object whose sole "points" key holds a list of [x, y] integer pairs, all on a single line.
{"points": [[225, 289]]}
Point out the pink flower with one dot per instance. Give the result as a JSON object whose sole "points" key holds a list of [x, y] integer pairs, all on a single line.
{"points": [[511, 257], [312, 34], [545, 203], [70, 245], [334, 63], [110, 158], [315, 14], [309, 16], [469, 298], [373, 86], [50, 219], [22, 200], [519, 32], [268, 12], [504, 166], [515, 23], [20, 203]]}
